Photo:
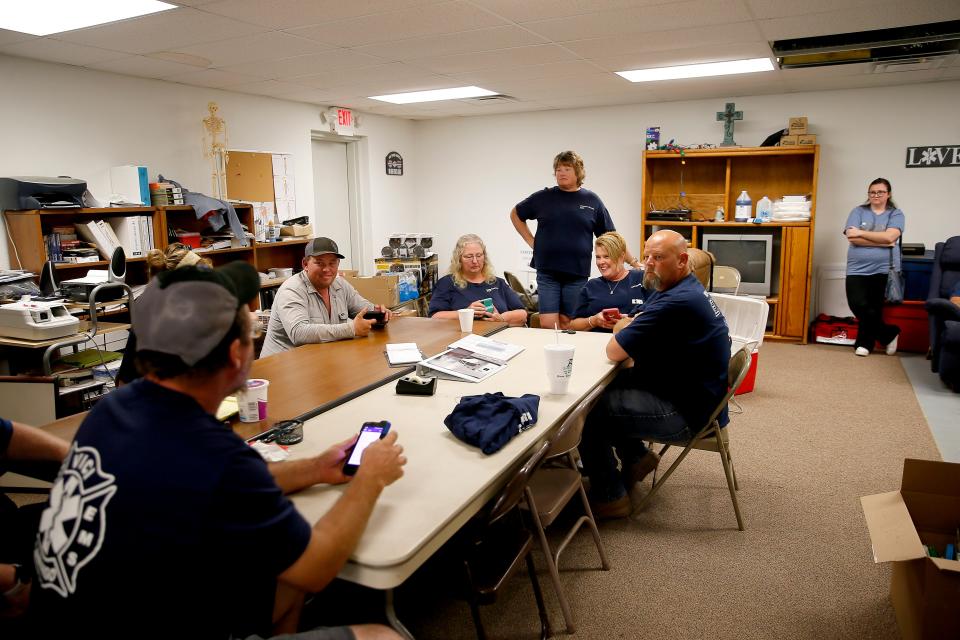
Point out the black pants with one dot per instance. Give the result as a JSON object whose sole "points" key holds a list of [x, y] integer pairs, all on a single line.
{"points": [[865, 297]]}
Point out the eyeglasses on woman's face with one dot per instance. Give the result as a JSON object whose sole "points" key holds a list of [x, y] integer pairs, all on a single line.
{"points": [[876, 194]]}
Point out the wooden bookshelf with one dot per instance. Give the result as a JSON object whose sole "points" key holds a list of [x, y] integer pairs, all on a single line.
{"points": [[704, 179]]}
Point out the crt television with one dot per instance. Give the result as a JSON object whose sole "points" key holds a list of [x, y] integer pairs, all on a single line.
{"points": [[750, 254]]}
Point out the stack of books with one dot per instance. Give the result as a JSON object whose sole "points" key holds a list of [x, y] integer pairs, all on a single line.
{"points": [[165, 194]]}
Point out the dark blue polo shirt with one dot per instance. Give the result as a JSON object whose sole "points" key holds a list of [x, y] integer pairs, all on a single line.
{"points": [[447, 296]]}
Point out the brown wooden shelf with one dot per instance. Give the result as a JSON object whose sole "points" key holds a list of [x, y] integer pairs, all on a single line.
{"points": [[98, 263], [282, 243], [717, 225]]}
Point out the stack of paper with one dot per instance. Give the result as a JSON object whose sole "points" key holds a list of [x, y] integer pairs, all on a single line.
{"points": [[403, 353]]}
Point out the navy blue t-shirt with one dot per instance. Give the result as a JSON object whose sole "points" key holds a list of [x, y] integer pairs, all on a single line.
{"points": [[447, 296], [599, 294], [567, 223], [681, 346], [162, 523]]}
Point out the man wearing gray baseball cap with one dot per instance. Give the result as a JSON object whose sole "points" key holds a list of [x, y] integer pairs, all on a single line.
{"points": [[317, 305], [162, 521]]}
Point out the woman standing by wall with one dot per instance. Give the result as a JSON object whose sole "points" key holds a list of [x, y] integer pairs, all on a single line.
{"points": [[873, 230]]}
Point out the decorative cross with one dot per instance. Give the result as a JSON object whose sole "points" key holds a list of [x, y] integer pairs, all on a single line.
{"points": [[728, 115]]}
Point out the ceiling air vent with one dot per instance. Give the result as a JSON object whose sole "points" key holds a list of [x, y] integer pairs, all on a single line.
{"points": [[498, 98], [913, 64], [918, 44]]}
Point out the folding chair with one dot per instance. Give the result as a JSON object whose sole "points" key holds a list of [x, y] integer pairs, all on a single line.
{"points": [[497, 542], [528, 299], [726, 279], [711, 437], [553, 487]]}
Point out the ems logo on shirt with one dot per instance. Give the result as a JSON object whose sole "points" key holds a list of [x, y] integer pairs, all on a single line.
{"points": [[526, 421], [73, 526]]}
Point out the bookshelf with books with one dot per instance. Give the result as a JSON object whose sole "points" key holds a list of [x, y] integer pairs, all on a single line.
{"points": [[30, 233]]}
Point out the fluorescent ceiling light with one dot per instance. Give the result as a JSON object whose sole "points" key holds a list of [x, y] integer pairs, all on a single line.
{"points": [[698, 70], [437, 94], [43, 17]]}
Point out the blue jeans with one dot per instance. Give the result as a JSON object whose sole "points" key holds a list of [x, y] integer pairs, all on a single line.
{"points": [[558, 295], [619, 422]]}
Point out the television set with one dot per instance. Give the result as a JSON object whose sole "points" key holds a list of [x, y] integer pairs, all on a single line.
{"points": [[750, 254]]}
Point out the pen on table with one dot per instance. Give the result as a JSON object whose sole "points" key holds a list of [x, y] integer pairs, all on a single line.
{"points": [[272, 431]]}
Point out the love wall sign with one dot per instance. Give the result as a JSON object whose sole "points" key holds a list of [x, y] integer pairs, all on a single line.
{"points": [[933, 156]]}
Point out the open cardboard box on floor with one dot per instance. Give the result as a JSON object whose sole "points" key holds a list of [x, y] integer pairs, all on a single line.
{"points": [[925, 591]]}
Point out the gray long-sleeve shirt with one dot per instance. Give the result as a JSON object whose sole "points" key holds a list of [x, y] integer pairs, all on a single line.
{"points": [[298, 315]]}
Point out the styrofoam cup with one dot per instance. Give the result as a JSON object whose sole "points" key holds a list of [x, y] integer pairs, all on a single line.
{"points": [[559, 358], [466, 319], [252, 400]]}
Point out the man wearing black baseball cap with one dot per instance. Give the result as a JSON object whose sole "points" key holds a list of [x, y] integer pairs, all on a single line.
{"points": [[317, 305], [163, 522]]}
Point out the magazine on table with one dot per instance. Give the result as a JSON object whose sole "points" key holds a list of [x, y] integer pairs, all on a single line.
{"points": [[492, 350], [462, 364]]}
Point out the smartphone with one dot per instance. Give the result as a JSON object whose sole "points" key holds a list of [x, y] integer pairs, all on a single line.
{"points": [[370, 432], [612, 314], [376, 316], [487, 304]]}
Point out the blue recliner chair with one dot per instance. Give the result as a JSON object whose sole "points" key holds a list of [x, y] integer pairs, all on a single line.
{"points": [[944, 315]]}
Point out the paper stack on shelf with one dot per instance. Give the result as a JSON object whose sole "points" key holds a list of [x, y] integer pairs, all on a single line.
{"points": [[791, 209]]}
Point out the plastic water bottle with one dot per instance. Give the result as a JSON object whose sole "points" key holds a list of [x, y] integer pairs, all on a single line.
{"points": [[764, 207], [744, 207]]}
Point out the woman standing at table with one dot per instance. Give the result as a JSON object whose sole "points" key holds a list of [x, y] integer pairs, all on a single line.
{"points": [[872, 230], [174, 256], [617, 287], [472, 280]]}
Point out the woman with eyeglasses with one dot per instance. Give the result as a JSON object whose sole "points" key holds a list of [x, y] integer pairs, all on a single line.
{"points": [[472, 280], [873, 230]]}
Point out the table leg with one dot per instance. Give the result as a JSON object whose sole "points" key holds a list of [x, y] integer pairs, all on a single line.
{"points": [[392, 618]]}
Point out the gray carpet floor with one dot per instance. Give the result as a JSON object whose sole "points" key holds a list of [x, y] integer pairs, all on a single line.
{"points": [[821, 429]]}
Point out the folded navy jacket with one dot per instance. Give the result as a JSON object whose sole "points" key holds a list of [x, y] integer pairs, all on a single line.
{"points": [[488, 421]]}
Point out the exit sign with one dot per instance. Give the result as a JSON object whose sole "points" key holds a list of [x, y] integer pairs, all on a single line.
{"points": [[343, 121]]}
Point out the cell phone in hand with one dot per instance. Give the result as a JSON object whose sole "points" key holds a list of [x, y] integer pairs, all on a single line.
{"points": [[487, 304], [370, 432], [612, 314], [377, 316]]}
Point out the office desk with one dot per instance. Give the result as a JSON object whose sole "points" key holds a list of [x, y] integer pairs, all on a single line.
{"points": [[315, 377], [446, 481]]}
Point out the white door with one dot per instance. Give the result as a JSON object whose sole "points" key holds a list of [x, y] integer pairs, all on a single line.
{"points": [[331, 207]]}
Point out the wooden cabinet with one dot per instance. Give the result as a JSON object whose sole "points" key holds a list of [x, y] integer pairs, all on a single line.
{"points": [[27, 250], [704, 179]]}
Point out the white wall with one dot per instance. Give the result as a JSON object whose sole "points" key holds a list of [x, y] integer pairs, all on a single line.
{"points": [[63, 120], [472, 171]]}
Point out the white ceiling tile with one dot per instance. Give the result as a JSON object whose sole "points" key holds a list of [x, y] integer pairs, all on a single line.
{"points": [[447, 17], [885, 15], [666, 40], [143, 67], [762, 9], [693, 55], [272, 45], [675, 15], [505, 58], [531, 10], [285, 14], [304, 65], [453, 43], [572, 85], [268, 88], [386, 87], [11, 37], [53, 50], [569, 68], [382, 73], [161, 31], [215, 78], [860, 81]]}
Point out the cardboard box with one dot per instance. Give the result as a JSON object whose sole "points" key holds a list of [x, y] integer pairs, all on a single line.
{"points": [[807, 138], [377, 289], [925, 511], [797, 126], [789, 141], [297, 230], [426, 269]]}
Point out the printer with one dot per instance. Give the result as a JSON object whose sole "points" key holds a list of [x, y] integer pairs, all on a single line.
{"points": [[36, 320], [18, 193]]}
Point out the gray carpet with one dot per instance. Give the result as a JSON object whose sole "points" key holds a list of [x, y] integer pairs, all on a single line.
{"points": [[822, 428]]}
